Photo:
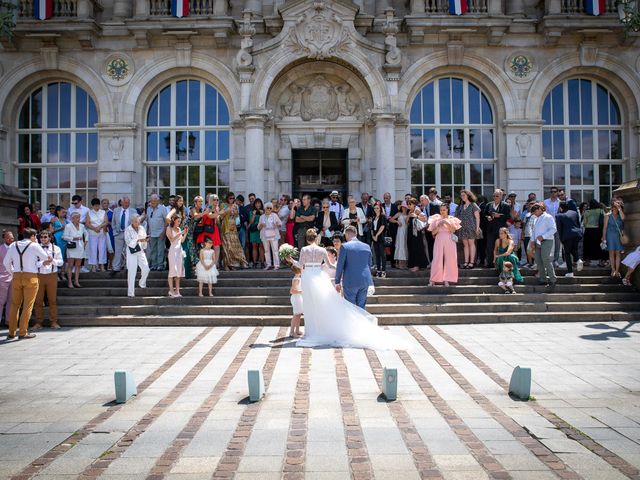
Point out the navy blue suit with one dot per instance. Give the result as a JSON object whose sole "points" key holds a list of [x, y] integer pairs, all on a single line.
{"points": [[353, 271]]}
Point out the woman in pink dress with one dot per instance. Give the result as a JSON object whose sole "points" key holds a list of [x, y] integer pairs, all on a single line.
{"points": [[444, 266]]}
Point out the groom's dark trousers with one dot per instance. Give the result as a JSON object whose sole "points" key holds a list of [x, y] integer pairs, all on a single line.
{"points": [[357, 296]]}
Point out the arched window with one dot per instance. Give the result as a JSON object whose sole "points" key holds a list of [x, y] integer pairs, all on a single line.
{"points": [[452, 139], [58, 145], [582, 140], [187, 141]]}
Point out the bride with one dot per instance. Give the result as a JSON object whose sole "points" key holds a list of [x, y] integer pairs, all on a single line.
{"points": [[329, 319]]}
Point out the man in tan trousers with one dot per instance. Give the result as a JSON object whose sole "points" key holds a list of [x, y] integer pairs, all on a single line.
{"points": [[23, 259], [48, 283]]}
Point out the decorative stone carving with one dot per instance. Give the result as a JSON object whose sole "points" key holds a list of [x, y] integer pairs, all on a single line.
{"points": [[523, 142], [521, 67], [393, 57], [588, 53], [319, 98], [319, 33], [244, 58], [116, 146], [118, 69]]}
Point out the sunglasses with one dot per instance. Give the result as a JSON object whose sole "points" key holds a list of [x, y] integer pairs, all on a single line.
{"points": [[74, 203], [554, 191], [268, 208]]}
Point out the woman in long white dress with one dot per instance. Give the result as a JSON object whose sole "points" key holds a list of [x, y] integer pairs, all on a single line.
{"points": [[330, 320]]}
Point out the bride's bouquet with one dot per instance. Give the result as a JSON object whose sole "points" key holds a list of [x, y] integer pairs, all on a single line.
{"points": [[285, 251]]}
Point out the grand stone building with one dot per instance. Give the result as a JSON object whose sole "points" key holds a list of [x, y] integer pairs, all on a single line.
{"points": [[117, 97]]}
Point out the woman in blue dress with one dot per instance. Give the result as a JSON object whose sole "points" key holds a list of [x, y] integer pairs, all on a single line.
{"points": [[611, 233], [58, 223]]}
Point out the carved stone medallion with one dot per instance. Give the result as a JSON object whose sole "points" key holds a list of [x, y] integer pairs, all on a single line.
{"points": [[118, 69], [521, 67], [319, 33]]}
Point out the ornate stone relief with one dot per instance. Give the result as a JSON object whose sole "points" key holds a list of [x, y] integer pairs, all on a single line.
{"points": [[118, 69], [523, 142], [320, 98], [521, 67], [244, 58], [318, 33], [393, 57]]}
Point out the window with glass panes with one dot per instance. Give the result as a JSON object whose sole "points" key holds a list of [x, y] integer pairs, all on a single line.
{"points": [[582, 140], [452, 139], [58, 145], [187, 141]]}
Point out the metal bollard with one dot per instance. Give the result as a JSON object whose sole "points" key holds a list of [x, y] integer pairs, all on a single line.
{"points": [[256, 385], [125, 386], [390, 383], [520, 384]]}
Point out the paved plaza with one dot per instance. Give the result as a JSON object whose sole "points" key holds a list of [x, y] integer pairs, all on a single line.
{"points": [[323, 416]]}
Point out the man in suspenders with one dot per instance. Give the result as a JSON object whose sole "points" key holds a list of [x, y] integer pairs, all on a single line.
{"points": [[23, 259], [48, 283]]}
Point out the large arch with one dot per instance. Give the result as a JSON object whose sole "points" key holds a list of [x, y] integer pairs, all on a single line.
{"points": [[607, 69], [18, 83], [480, 71], [370, 75], [149, 79]]}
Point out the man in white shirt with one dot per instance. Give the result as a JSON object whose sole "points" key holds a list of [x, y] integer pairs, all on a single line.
{"points": [[552, 204], [283, 214], [50, 215], [5, 278], [542, 235], [76, 206], [516, 207], [135, 239], [48, 283], [24, 258], [121, 220], [156, 229], [336, 206]]}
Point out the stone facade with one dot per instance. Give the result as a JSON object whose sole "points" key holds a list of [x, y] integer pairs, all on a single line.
{"points": [[331, 74]]}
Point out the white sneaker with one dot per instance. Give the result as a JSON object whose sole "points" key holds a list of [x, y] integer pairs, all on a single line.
{"points": [[568, 275], [85, 270], [534, 267], [561, 265], [580, 265]]}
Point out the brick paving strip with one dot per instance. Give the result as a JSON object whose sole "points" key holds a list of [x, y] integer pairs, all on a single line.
{"points": [[473, 444], [358, 456], [570, 431], [293, 465], [72, 440], [230, 460], [422, 459], [542, 453], [99, 465]]}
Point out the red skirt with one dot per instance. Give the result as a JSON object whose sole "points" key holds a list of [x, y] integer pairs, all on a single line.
{"points": [[289, 236], [215, 236]]}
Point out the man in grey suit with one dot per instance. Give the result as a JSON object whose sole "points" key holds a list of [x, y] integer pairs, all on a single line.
{"points": [[121, 220], [353, 275]]}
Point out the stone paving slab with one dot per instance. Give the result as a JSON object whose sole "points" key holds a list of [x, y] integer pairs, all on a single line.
{"points": [[63, 380]]}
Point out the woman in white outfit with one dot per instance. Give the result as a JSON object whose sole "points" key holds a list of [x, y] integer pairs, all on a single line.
{"points": [[269, 226], [97, 222], [328, 318], [75, 235], [135, 239]]}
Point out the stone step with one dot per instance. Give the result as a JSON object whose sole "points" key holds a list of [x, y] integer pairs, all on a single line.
{"points": [[493, 296], [379, 282], [394, 319], [562, 287], [508, 304]]}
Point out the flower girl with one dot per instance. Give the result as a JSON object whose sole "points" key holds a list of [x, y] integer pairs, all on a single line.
{"points": [[206, 271], [296, 301]]}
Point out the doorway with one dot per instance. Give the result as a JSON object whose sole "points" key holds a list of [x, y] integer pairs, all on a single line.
{"points": [[319, 171]]}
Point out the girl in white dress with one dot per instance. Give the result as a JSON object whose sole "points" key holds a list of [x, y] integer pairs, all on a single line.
{"points": [[631, 261], [206, 271], [296, 302], [401, 218]]}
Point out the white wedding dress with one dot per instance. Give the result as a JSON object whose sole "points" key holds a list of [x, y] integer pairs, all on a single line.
{"points": [[329, 320]]}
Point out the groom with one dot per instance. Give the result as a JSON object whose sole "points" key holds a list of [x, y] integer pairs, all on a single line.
{"points": [[352, 270]]}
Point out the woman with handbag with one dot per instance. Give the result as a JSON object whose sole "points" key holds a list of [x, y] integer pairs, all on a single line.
{"points": [[326, 224], [469, 214], [207, 226], [593, 221], [613, 236], [257, 249], [444, 265], [75, 235], [417, 257], [135, 239], [378, 231]]}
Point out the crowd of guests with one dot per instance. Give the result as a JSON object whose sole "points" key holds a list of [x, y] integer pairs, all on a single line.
{"points": [[196, 240]]}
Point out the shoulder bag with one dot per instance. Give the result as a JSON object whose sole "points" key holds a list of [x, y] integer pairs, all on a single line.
{"points": [[624, 240]]}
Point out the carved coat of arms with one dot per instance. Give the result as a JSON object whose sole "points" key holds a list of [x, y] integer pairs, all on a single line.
{"points": [[319, 33]]}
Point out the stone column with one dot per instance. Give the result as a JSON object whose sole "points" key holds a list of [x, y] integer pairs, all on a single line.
{"points": [[524, 157], [552, 7], [122, 9], [515, 7], [254, 152], [85, 9], [253, 5], [119, 168], [220, 8], [141, 8], [385, 154], [381, 6], [417, 7], [494, 7]]}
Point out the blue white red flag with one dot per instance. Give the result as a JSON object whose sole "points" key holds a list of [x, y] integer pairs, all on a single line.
{"points": [[594, 7], [179, 8], [457, 7], [42, 9]]}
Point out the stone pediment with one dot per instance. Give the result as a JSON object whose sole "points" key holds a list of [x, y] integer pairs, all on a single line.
{"points": [[318, 30]]}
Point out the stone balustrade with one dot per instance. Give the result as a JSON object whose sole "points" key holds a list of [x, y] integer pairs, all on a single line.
{"points": [[62, 8], [570, 7], [196, 7], [441, 7]]}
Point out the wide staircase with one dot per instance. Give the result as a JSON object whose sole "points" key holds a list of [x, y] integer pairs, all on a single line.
{"points": [[256, 297]]}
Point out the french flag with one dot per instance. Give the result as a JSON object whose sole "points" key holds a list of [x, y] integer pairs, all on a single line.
{"points": [[594, 7], [42, 9], [457, 7], [179, 8]]}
